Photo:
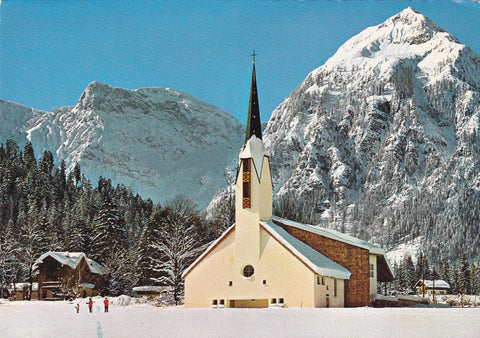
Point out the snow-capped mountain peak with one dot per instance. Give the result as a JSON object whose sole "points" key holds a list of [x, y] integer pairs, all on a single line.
{"points": [[392, 115]]}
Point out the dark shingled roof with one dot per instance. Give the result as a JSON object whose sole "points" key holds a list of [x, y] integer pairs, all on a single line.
{"points": [[254, 127]]}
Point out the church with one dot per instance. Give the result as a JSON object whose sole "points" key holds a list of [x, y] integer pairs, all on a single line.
{"points": [[264, 261]]}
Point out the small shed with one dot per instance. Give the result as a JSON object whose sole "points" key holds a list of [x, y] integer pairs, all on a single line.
{"points": [[151, 291], [20, 291], [432, 287]]}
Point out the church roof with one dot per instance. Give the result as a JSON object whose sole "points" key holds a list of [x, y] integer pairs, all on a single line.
{"points": [[385, 271], [254, 127], [338, 236], [311, 257], [71, 259]]}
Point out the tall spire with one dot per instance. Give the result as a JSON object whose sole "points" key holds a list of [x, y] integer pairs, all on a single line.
{"points": [[254, 127]]}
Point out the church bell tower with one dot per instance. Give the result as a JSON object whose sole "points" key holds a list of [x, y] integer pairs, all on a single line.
{"points": [[253, 191]]}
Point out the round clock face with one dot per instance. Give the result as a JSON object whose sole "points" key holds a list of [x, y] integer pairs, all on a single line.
{"points": [[248, 271]]}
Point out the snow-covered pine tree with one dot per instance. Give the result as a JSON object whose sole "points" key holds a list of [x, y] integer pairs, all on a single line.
{"points": [[110, 236], [120, 273], [145, 252], [475, 281], [464, 279], [409, 274], [8, 258], [30, 250]]}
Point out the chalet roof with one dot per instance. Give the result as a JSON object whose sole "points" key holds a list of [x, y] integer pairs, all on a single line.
{"points": [[311, 257], [386, 270], [71, 259], [440, 284]]}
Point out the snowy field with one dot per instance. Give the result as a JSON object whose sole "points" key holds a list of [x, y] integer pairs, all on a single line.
{"points": [[59, 319]]}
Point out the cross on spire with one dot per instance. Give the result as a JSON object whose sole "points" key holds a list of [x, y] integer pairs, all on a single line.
{"points": [[253, 56]]}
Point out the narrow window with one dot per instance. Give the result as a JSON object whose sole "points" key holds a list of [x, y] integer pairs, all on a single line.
{"points": [[323, 281], [372, 270], [264, 282], [318, 280], [230, 283], [273, 301], [280, 300], [334, 287], [222, 302], [246, 179], [215, 302]]}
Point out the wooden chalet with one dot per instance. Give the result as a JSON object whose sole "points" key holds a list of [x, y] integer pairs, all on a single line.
{"points": [[60, 273], [432, 287]]}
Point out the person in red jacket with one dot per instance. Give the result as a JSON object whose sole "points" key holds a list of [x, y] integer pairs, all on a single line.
{"points": [[105, 303], [90, 304]]}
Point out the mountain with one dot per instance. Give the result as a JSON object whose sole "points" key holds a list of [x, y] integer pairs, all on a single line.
{"points": [[382, 141], [158, 142]]}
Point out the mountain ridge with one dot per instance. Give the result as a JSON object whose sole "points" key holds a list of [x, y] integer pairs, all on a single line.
{"points": [[159, 142]]}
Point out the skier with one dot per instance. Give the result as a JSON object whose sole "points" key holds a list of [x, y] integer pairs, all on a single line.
{"points": [[90, 304], [105, 302], [77, 307]]}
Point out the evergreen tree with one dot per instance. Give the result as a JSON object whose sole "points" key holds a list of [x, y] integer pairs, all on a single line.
{"points": [[110, 236], [409, 273], [29, 157], [145, 252], [464, 284], [120, 274], [474, 278], [31, 244], [8, 258]]}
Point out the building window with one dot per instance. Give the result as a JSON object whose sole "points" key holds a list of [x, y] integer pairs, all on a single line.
{"points": [[222, 303], [280, 300], [230, 283], [334, 287], [215, 302], [248, 271], [372, 270], [264, 282], [320, 280], [246, 179], [273, 301]]}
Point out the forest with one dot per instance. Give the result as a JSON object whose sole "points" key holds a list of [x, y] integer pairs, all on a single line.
{"points": [[43, 208]]}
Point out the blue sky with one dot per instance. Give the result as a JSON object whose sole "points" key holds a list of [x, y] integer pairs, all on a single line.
{"points": [[51, 50]]}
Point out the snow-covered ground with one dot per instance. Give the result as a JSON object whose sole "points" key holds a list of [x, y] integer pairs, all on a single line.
{"points": [[59, 319]]}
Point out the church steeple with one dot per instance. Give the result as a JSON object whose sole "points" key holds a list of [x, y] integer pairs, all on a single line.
{"points": [[253, 187], [254, 126]]}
